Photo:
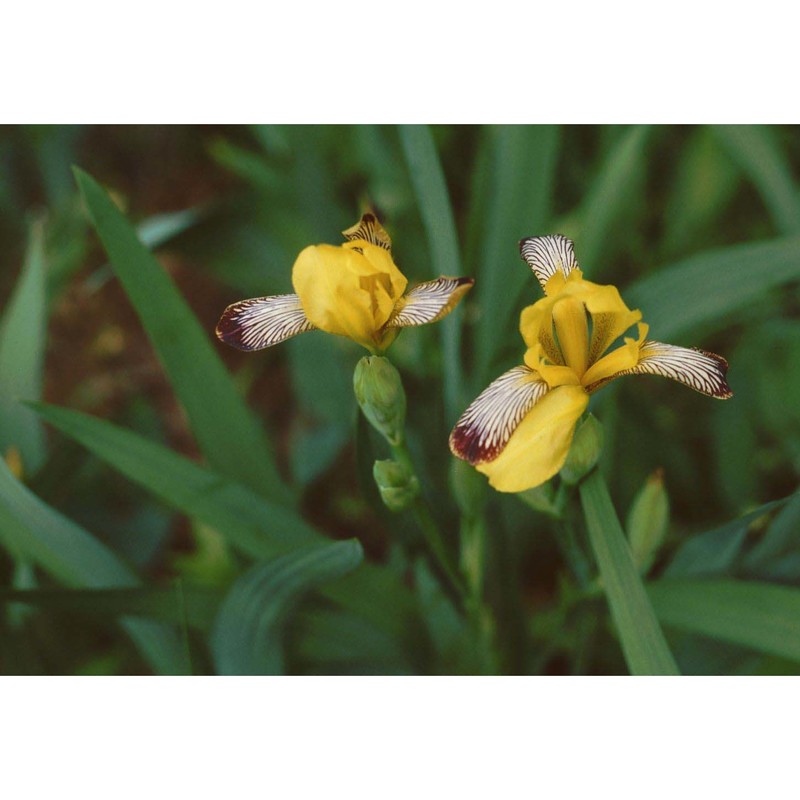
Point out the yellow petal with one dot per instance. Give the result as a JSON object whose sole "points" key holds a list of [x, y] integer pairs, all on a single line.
{"points": [[622, 358], [569, 316], [539, 446], [553, 374], [610, 317], [536, 327], [349, 291]]}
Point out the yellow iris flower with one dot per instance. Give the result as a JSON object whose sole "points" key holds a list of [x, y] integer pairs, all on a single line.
{"points": [[352, 290], [518, 431]]}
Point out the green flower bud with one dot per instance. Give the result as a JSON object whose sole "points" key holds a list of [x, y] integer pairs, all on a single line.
{"points": [[380, 394], [585, 451], [397, 484], [648, 520]]}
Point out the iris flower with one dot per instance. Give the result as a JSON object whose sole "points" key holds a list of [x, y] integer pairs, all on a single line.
{"points": [[353, 290], [518, 431]]}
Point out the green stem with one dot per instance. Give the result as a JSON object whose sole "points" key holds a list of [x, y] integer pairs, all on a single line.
{"points": [[472, 560], [430, 530], [643, 644]]}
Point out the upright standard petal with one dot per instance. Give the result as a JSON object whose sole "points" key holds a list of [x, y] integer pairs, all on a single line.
{"points": [[262, 321], [539, 446], [548, 255], [487, 425], [429, 302], [704, 372], [368, 229]]}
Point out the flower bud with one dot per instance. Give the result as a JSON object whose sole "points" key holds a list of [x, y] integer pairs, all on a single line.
{"points": [[585, 451], [380, 394], [396, 483], [648, 521]]}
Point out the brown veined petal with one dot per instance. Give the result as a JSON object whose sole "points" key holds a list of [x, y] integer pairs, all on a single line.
{"points": [[429, 302], [704, 372], [486, 426], [546, 255], [262, 321], [368, 229]]}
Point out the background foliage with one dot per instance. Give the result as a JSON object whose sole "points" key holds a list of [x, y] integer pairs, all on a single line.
{"points": [[169, 505]]}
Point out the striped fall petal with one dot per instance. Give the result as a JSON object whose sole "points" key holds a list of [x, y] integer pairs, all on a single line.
{"points": [[518, 431]]}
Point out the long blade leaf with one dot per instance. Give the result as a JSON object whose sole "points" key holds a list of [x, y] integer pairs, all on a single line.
{"points": [[427, 178], [22, 340], [523, 162], [31, 529], [254, 526], [157, 603], [643, 643], [246, 639], [754, 148], [225, 429], [758, 615], [730, 278]]}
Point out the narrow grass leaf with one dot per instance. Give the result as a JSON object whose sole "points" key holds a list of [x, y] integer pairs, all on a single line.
{"points": [[730, 279], [609, 193], [226, 431], [758, 615], [31, 529], [433, 201], [250, 523], [714, 552], [755, 150], [247, 634], [520, 174], [646, 651], [781, 538], [157, 603], [22, 342]]}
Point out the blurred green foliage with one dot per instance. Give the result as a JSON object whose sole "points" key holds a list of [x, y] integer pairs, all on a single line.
{"points": [[169, 505]]}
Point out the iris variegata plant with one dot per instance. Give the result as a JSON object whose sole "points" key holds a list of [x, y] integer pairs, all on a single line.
{"points": [[518, 431], [353, 290]]}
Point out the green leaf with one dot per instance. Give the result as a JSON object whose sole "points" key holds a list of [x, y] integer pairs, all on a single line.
{"points": [[226, 431], [782, 536], [754, 148], [31, 529], [427, 178], [704, 183], [250, 523], [147, 601], [757, 615], [22, 341], [609, 191], [643, 643], [714, 552], [330, 641], [712, 286], [519, 188], [246, 639]]}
